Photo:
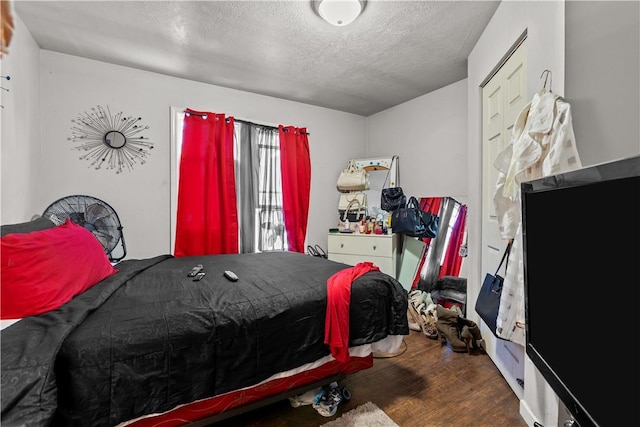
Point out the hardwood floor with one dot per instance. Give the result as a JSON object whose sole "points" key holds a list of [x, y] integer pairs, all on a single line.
{"points": [[426, 386]]}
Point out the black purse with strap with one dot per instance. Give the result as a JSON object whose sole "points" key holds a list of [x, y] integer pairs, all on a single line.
{"points": [[392, 198], [413, 221], [488, 301]]}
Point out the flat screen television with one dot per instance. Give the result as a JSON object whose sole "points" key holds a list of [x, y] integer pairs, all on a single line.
{"points": [[581, 253]]}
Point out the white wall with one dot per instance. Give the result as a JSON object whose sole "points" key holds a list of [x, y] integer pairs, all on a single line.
{"points": [[429, 134], [71, 85], [20, 128], [544, 23], [603, 78], [601, 62]]}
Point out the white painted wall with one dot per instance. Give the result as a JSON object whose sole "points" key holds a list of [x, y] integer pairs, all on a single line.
{"points": [[429, 135], [71, 85], [20, 128], [544, 23], [603, 78], [601, 38]]}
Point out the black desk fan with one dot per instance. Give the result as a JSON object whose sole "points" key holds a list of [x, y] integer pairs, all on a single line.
{"points": [[96, 216]]}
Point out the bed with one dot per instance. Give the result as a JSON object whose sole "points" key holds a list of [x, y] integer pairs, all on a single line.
{"points": [[147, 345]]}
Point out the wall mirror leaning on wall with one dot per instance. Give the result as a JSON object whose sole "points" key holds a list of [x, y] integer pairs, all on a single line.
{"points": [[425, 261], [445, 252]]}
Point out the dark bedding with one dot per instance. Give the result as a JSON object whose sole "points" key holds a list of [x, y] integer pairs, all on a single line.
{"points": [[149, 338]]}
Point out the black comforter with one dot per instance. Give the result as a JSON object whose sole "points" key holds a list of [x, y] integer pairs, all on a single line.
{"points": [[149, 338]]}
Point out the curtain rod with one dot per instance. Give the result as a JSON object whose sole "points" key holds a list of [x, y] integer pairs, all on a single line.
{"points": [[244, 121]]}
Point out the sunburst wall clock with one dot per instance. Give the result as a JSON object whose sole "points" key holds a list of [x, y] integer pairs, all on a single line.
{"points": [[112, 141]]}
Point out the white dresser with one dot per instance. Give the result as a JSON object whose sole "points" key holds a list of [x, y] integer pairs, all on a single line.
{"points": [[380, 249]]}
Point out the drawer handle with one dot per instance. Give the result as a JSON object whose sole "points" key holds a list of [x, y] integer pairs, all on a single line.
{"points": [[374, 247], [342, 245]]}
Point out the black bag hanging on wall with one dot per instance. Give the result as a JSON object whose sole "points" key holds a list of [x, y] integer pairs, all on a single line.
{"points": [[391, 198], [488, 302], [413, 221]]}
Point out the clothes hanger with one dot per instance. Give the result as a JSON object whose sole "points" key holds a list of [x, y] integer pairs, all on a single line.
{"points": [[547, 77]]}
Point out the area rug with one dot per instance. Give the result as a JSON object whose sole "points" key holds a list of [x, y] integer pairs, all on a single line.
{"points": [[366, 415]]}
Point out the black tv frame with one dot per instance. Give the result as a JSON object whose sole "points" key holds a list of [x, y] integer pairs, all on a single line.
{"points": [[582, 322]]}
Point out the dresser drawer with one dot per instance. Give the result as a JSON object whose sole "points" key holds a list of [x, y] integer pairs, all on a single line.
{"points": [[385, 264], [362, 244], [380, 249]]}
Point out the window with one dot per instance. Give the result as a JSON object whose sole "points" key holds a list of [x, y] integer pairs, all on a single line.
{"points": [[270, 230], [262, 223]]}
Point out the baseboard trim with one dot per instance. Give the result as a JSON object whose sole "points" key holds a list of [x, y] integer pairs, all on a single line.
{"points": [[526, 413]]}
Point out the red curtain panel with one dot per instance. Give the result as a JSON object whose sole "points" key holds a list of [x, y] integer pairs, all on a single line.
{"points": [[296, 184], [207, 216]]}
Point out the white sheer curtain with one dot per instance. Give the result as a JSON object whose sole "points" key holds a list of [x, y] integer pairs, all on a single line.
{"points": [[259, 187], [272, 230]]}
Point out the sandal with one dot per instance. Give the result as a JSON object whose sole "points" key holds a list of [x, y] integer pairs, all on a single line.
{"points": [[320, 252], [431, 320], [420, 315], [316, 251]]}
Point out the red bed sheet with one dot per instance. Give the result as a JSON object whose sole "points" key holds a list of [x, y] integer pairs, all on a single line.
{"points": [[216, 405]]}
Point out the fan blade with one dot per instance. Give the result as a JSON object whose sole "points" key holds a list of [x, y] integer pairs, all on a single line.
{"points": [[105, 224], [77, 217], [107, 239], [105, 235], [95, 212], [103, 240], [108, 228]]}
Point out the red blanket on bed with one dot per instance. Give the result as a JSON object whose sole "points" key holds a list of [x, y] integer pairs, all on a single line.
{"points": [[338, 298]]}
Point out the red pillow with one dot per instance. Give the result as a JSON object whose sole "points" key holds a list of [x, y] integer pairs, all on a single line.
{"points": [[42, 270]]}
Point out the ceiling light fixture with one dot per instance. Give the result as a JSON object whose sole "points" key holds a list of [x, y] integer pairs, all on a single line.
{"points": [[338, 12]]}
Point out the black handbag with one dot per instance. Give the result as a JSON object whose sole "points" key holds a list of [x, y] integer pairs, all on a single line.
{"points": [[488, 302], [392, 198], [413, 221]]}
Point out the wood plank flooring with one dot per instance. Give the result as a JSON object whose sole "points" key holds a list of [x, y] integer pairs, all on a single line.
{"points": [[426, 386]]}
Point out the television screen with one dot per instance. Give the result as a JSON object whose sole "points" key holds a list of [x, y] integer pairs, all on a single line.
{"points": [[581, 244]]}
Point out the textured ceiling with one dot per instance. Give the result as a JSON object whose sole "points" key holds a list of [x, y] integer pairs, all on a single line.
{"points": [[394, 52]]}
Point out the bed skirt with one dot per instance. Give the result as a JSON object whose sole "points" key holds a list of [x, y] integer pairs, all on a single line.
{"points": [[280, 386]]}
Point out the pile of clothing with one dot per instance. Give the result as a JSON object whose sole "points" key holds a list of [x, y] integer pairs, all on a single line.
{"points": [[438, 322]]}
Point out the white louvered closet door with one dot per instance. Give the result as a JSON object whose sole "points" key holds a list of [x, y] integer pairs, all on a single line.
{"points": [[503, 97]]}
